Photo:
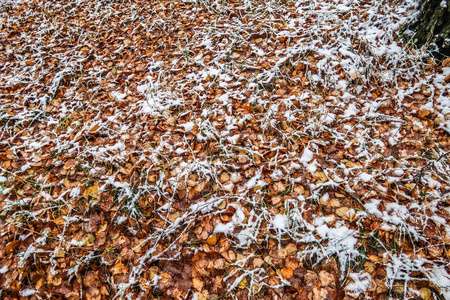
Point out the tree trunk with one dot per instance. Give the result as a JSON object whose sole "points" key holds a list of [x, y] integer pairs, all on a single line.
{"points": [[432, 27]]}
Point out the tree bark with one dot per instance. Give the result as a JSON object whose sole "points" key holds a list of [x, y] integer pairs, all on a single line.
{"points": [[432, 27]]}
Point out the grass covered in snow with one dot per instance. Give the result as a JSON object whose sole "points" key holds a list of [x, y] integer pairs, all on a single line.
{"points": [[212, 149]]}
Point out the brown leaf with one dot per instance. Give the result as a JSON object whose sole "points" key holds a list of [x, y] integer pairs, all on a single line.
{"points": [[447, 79], [12, 246], [120, 268], [446, 62], [212, 240], [287, 272], [93, 191], [198, 283]]}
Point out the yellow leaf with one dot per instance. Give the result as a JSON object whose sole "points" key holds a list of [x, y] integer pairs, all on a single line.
{"points": [[120, 268], [212, 240], [243, 283], [59, 221], [222, 205], [91, 239], [93, 191]]}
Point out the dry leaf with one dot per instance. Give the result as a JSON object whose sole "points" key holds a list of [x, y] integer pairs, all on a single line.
{"points": [[212, 240], [93, 191], [287, 272], [10, 247], [120, 268], [198, 283], [243, 283]]}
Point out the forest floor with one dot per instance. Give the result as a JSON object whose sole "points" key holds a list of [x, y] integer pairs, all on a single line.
{"points": [[221, 149]]}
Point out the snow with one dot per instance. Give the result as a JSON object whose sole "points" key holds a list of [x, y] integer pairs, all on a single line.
{"points": [[188, 126], [27, 292], [365, 177], [224, 99], [306, 157], [224, 228], [350, 111], [441, 278], [118, 96], [346, 115], [280, 222], [3, 270], [121, 219], [372, 207], [361, 282]]}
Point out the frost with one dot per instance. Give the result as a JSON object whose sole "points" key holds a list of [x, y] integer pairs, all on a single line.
{"points": [[27, 292], [188, 126], [280, 222], [361, 282], [365, 177], [121, 219], [306, 157]]}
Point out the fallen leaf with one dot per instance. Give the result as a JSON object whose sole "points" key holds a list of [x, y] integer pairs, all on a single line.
{"points": [[287, 272], [120, 268], [212, 240], [12, 246], [198, 283], [243, 283]]}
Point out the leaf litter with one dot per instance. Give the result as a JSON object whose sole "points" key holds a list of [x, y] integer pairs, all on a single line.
{"points": [[213, 149]]}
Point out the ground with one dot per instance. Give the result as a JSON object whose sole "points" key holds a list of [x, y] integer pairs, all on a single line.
{"points": [[221, 150]]}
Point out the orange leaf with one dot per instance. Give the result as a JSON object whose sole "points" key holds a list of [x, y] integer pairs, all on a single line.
{"points": [[12, 246], [212, 240], [93, 191], [287, 272], [120, 268]]}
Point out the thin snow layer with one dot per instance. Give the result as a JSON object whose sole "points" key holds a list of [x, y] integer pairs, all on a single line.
{"points": [[361, 282], [280, 222], [217, 102], [27, 292]]}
